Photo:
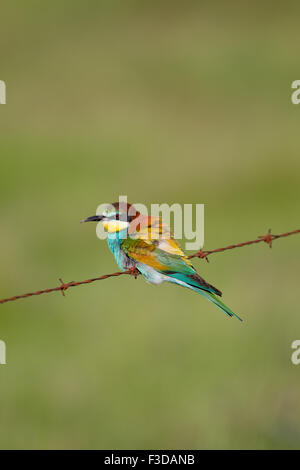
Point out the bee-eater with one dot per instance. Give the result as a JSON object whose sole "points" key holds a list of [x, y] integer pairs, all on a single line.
{"points": [[147, 244]]}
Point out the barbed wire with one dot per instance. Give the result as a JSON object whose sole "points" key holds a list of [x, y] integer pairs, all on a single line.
{"points": [[268, 238], [262, 238]]}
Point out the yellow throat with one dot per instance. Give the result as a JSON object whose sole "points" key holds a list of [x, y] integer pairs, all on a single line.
{"points": [[112, 226]]}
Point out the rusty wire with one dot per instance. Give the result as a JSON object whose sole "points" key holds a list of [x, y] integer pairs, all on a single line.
{"points": [[268, 238], [263, 238]]}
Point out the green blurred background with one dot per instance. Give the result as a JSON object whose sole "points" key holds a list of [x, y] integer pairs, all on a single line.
{"points": [[163, 101]]}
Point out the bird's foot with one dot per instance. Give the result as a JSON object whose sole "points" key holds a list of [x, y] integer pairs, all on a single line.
{"points": [[134, 272]]}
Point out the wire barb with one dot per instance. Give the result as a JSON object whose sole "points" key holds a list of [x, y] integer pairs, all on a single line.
{"points": [[64, 287], [268, 238], [201, 254]]}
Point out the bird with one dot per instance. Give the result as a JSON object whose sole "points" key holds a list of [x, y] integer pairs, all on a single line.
{"points": [[147, 245]]}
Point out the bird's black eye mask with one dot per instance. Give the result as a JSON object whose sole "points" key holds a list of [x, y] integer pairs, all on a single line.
{"points": [[121, 217]]}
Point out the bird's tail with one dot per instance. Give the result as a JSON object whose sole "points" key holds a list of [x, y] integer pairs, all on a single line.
{"points": [[212, 298], [205, 290]]}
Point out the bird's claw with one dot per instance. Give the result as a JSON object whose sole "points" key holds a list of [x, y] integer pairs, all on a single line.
{"points": [[134, 272]]}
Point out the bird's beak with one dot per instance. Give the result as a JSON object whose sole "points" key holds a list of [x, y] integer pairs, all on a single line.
{"points": [[93, 218]]}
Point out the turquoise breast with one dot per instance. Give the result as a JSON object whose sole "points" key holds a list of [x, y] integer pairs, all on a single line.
{"points": [[114, 241]]}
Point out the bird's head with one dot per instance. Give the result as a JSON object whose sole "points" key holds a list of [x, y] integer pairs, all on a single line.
{"points": [[115, 217]]}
